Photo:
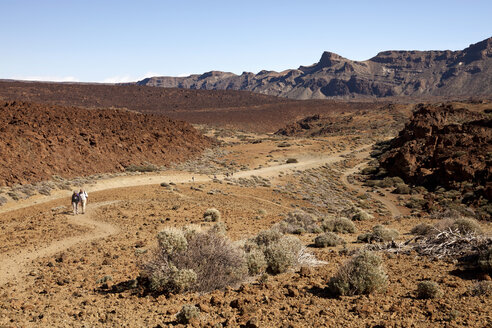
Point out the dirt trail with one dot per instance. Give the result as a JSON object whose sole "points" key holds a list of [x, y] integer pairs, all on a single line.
{"points": [[389, 204], [179, 177], [11, 265]]}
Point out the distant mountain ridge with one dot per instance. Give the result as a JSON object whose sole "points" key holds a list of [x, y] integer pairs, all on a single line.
{"points": [[444, 73]]}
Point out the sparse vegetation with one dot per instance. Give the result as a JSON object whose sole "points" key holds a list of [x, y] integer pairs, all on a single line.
{"points": [[341, 225], [212, 215], [481, 288], [379, 234], [423, 229], [291, 160], [428, 289], [461, 225], [187, 313], [485, 260], [362, 274], [328, 239], [298, 223], [146, 167], [282, 254], [193, 260]]}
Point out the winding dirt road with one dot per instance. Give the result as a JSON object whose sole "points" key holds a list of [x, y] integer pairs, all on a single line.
{"points": [[13, 265]]}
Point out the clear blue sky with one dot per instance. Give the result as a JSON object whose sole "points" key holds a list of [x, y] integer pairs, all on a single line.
{"points": [[88, 40]]}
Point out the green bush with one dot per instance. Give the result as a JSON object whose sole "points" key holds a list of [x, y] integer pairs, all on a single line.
{"points": [[379, 234], [328, 239], [341, 225], [212, 214], [428, 289], [187, 313], [362, 274]]}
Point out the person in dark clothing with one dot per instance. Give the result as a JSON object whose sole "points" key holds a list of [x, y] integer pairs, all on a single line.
{"points": [[75, 202]]}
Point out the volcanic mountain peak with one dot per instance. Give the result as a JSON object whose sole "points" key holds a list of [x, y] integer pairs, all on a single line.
{"points": [[408, 73]]}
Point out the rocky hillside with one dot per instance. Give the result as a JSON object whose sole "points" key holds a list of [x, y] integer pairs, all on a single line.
{"points": [[384, 121], [420, 74], [39, 141], [444, 146]]}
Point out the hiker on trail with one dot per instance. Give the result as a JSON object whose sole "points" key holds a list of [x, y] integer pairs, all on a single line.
{"points": [[75, 202], [193, 178], [83, 199]]}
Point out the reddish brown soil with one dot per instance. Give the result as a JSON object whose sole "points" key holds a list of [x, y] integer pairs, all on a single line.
{"points": [[39, 141], [233, 109]]}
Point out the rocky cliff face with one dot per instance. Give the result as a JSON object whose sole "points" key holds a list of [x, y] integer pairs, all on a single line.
{"points": [[391, 73], [444, 146]]}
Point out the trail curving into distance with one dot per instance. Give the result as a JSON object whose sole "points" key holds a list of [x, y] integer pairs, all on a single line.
{"points": [[15, 264], [11, 265]]}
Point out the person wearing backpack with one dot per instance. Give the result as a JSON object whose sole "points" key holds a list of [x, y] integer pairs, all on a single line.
{"points": [[83, 199], [75, 202]]}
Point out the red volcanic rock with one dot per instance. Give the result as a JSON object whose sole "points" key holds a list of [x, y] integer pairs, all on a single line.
{"points": [[38, 141], [443, 146]]}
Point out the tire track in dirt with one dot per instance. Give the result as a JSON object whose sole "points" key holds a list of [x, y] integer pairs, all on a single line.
{"points": [[12, 265]]}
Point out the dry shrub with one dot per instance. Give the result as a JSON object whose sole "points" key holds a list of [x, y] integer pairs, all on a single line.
{"points": [[267, 237], [379, 234], [273, 251], [362, 274], [357, 214], [191, 260], [212, 214], [423, 229], [481, 288], [3, 200], [328, 239], [187, 313], [460, 225], [402, 189], [341, 225], [298, 223], [256, 262], [428, 289], [282, 254], [485, 260]]}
